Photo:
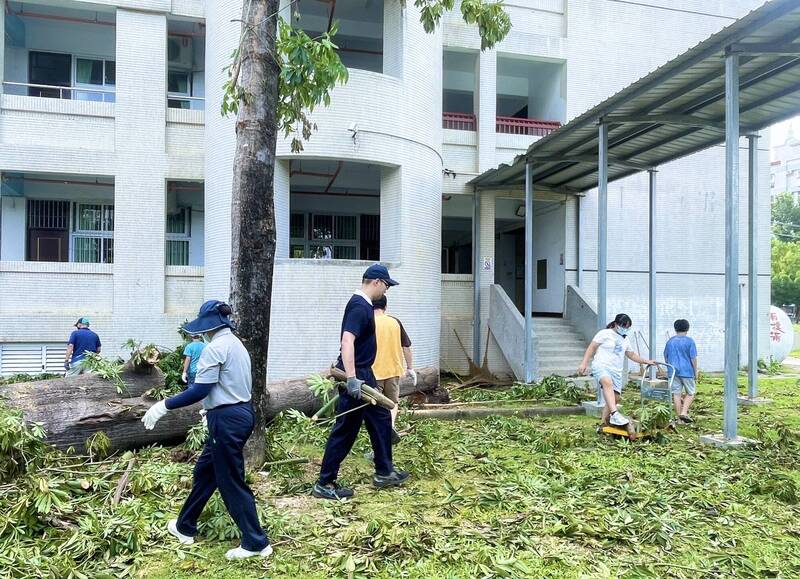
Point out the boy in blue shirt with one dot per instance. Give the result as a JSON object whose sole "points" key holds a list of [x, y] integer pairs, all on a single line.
{"points": [[191, 354], [681, 352]]}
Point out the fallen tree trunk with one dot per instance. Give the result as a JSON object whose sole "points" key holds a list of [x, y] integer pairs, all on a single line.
{"points": [[72, 409]]}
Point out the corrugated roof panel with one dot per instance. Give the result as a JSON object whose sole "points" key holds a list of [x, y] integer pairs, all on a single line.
{"points": [[690, 84]]}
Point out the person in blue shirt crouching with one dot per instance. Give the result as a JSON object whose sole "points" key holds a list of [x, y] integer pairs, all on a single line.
{"points": [[224, 384]]}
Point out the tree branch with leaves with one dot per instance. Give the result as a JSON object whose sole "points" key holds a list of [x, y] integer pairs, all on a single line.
{"points": [[278, 76]]}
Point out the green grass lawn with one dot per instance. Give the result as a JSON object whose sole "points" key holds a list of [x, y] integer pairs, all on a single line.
{"points": [[510, 497], [498, 497]]}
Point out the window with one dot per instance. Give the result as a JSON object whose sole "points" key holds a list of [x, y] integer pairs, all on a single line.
{"points": [[179, 234], [179, 83], [95, 74], [93, 233], [324, 236], [50, 69], [541, 274]]}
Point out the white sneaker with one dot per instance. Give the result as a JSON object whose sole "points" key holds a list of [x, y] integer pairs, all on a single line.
{"points": [[239, 553], [618, 419], [172, 527]]}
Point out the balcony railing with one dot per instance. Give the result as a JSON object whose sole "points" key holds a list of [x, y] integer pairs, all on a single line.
{"points": [[59, 92], [532, 127], [179, 101], [459, 121], [507, 125]]}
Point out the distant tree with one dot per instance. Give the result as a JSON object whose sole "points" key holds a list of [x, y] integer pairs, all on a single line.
{"points": [[785, 250]]}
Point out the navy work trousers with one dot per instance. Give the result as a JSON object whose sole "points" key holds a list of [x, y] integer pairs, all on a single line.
{"points": [[345, 430], [221, 466]]}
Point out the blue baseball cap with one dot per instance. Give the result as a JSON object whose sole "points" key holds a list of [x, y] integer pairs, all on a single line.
{"points": [[82, 321], [209, 318], [379, 271]]}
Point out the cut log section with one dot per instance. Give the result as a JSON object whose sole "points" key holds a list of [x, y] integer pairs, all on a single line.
{"points": [[72, 409]]}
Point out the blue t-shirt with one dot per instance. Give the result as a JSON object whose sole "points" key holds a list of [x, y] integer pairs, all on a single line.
{"points": [[359, 320], [193, 350], [679, 352], [83, 340]]}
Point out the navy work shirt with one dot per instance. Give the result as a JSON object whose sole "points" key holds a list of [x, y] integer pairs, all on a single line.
{"points": [[83, 340], [359, 320]]}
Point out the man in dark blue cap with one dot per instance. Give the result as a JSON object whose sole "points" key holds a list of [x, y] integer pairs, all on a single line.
{"points": [[358, 349], [224, 383]]}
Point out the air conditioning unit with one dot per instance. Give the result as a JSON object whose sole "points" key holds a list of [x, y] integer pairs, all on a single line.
{"points": [[179, 52]]}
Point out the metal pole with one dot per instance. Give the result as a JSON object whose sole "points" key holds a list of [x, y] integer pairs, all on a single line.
{"points": [[602, 225], [529, 273], [652, 284], [578, 246], [752, 268], [476, 278], [731, 244]]}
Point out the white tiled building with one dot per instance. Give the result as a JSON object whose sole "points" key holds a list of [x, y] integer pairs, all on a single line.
{"points": [[116, 173], [785, 168]]}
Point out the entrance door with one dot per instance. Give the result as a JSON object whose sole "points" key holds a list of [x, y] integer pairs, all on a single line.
{"points": [[549, 237], [48, 245], [50, 68]]}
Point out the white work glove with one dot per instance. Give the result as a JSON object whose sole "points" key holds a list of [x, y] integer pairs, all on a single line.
{"points": [[411, 374], [185, 378], [157, 412], [203, 413]]}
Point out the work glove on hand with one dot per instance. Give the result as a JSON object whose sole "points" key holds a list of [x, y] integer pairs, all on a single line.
{"points": [[157, 412], [203, 413], [185, 378], [411, 374], [354, 387]]}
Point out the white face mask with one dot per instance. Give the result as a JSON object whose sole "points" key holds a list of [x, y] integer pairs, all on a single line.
{"points": [[206, 338]]}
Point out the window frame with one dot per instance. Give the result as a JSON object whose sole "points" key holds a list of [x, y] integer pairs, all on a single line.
{"points": [[308, 242], [104, 234], [185, 237], [110, 95]]}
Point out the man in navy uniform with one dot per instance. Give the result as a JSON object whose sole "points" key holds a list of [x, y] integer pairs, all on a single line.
{"points": [[358, 349], [224, 384]]}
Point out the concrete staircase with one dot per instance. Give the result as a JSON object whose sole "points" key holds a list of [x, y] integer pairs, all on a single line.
{"points": [[559, 346]]}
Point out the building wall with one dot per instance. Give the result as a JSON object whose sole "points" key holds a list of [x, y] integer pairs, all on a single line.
{"points": [[398, 127], [136, 297], [606, 45]]}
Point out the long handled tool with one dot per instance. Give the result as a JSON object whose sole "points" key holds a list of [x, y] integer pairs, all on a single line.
{"points": [[368, 393]]}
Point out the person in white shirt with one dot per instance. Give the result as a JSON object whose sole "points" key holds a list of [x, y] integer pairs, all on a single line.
{"points": [[609, 348]]}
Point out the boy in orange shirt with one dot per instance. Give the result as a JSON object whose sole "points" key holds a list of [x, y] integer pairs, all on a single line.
{"points": [[394, 346]]}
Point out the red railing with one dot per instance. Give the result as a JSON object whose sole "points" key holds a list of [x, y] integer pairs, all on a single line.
{"points": [[533, 127], [459, 121]]}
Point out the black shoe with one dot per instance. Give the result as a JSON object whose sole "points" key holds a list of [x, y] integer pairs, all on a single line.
{"points": [[395, 437], [686, 419], [333, 492], [393, 479]]}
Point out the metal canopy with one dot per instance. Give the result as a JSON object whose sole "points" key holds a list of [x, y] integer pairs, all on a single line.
{"points": [[676, 110]]}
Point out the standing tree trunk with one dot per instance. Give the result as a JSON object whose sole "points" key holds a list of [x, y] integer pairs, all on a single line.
{"points": [[252, 203]]}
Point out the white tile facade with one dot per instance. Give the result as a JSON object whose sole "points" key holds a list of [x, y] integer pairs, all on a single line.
{"points": [[605, 44]]}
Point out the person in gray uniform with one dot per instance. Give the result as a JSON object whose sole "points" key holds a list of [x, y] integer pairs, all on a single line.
{"points": [[224, 384]]}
